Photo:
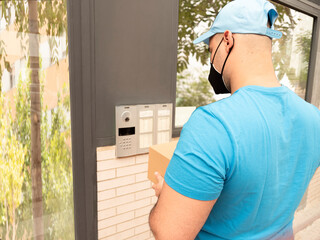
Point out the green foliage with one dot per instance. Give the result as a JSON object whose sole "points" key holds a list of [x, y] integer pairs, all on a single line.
{"points": [[304, 45], [193, 93], [12, 154], [52, 15], [193, 13], [22, 129], [57, 172], [56, 165], [284, 23], [55, 137], [3, 60]]}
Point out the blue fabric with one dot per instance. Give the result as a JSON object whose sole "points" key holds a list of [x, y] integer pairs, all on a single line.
{"points": [[244, 16], [256, 151]]}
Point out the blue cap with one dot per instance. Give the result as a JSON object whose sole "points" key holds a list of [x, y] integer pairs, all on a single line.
{"points": [[244, 16]]}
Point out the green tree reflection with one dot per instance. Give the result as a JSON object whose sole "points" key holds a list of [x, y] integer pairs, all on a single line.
{"points": [[191, 14], [54, 200]]}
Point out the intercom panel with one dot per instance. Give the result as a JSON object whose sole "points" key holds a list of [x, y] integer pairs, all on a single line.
{"points": [[146, 133], [164, 122], [140, 126], [126, 132]]}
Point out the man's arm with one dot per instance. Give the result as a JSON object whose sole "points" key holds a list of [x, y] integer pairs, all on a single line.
{"points": [[194, 178], [176, 216]]}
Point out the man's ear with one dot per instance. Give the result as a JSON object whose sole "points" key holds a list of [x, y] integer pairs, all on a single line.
{"points": [[228, 39]]}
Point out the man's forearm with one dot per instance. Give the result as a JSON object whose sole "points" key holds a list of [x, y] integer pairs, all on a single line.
{"points": [[151, 220]]}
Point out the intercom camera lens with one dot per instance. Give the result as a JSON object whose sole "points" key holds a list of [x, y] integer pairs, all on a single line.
{"points": [[127, 119]]}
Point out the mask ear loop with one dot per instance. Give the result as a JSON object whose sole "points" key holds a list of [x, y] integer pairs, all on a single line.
{"points": [[216, 51], [225, 64]]}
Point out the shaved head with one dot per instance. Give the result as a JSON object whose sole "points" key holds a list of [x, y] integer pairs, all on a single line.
{"points": [[251, 53]]}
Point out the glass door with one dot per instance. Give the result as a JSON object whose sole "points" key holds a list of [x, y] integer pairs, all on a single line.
{"points": [[36, 187]]}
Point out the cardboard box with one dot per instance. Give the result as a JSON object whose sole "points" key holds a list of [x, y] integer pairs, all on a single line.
{"points": [[159, 158]]}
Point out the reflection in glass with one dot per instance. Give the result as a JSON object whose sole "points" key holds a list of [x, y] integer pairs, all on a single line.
{"points": [[36, 190], [290, 53]]}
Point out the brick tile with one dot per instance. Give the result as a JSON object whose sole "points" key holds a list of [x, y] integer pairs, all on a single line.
{"points": [[106, 154], [143, 211], [116, 182], [151, 238], [132, 223], [106, 213], [144, 194], [132, 188], [105, 175], [115, 163], [115, 220], [141, 236], [113, 202], [106, 232], [122, 235], [125, 225], [142, 158], [154, 199], [132, 206], [142, 228], [106, 194], [124, 171], [142, 177]]}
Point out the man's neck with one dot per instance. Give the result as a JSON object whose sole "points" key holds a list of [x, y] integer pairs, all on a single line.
{"points": [[254, 73], [258, 81]]}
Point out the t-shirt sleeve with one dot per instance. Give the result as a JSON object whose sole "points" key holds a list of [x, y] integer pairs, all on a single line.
{"points": [[201, 161]]}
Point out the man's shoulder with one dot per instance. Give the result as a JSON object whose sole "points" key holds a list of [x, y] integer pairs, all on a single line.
{"points": [[214, 118], [216, 110], [313, 109], [227, 109], [305, 108], [205, 119]]}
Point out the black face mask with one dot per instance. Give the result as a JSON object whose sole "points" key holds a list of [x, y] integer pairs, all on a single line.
{"points": [[215, 78]]}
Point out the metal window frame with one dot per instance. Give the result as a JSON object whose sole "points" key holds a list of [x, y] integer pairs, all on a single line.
{"points": [[81, 33], [313, 83], [80, 14]]}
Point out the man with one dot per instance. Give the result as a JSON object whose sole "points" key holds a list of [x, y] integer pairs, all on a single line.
{"points": [[242, 164]]}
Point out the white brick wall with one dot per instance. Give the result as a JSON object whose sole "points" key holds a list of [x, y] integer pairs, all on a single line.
{"points": [[125, 196]]}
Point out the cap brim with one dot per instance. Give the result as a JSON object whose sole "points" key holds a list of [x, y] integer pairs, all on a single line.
{"points": [[204, 38]]}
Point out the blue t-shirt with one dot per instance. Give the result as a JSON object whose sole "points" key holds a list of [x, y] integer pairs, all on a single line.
{"points": [[256, 151]]}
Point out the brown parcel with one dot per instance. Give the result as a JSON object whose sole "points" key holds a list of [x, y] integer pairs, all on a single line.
{"points": [[159, 158]]}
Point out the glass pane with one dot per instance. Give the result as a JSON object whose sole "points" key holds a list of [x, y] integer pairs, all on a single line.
{"points": [[36, 187], [290, 54], [193, 87]]}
